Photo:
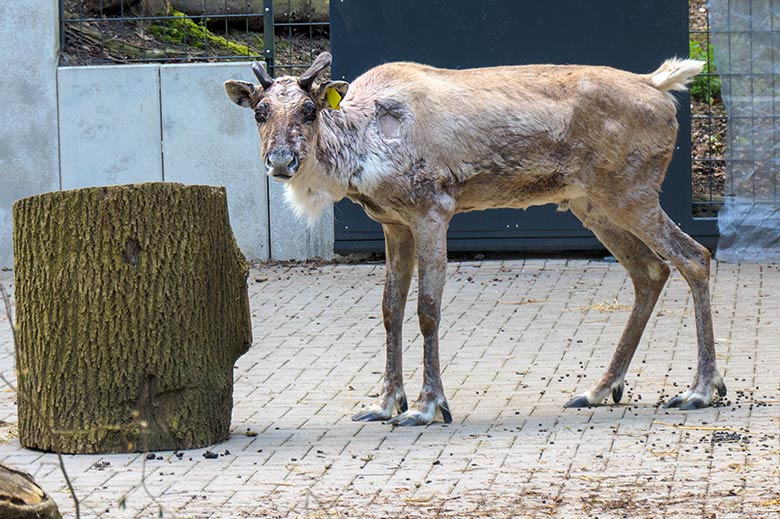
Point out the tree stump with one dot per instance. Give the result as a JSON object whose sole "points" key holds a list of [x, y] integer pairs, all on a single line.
{"points": [[22, 498], [132, 309]]}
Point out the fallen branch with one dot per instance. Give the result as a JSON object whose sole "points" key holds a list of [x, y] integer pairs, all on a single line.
{"points": [[121, 50]]}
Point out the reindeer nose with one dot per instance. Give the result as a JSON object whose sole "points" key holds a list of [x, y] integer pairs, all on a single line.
{"points": [[282, 159]]}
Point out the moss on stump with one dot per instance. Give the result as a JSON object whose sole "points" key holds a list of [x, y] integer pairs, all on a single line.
{"points": [[132, 309]]}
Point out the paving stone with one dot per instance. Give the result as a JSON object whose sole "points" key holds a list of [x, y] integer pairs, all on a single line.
{"points": [[518, 340]]}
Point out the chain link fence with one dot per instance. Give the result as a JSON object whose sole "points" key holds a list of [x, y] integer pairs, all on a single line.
{"points": [[746, 38], [708, 120]]}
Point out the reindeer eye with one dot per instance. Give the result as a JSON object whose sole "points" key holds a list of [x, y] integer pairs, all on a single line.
{"points": [[261, 114], [309, 112]]}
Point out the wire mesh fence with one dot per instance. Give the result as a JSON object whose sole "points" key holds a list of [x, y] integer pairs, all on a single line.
{"points": [[287, 34], [745, 37], [708, 120], [297, 42]]}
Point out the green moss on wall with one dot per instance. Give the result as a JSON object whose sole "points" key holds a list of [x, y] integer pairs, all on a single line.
{"points": [[187, 31]]}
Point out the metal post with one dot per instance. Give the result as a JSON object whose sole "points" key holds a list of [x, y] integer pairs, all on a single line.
{"points": [[268, 35], [62, 25]]}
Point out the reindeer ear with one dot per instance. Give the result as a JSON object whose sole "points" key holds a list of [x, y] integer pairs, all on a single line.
{"points": [[240, 92], [330, 94]]}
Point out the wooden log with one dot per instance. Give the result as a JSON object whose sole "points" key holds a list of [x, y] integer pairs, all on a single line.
{"points": [[146, 7], [118, 50], [284, 11], [132, 309], [22, 498]]}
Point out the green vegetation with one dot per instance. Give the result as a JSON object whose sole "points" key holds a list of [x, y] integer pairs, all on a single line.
{"points": [[705, 89], [186, 31]]}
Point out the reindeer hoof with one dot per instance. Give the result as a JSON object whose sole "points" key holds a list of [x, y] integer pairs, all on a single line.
{"points": [[382, 410], [597, 394], [444, 409], [689, 401], [372, 415], [693, 403], [423, 415], [578, 401], [697, 398], [408, 420], [617, 392]]}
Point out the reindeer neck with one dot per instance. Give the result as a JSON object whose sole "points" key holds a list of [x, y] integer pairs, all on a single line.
{"points": [[341, 135], [326, 178]]}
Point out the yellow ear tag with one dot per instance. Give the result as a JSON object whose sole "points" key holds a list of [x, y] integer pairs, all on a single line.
{"points": [[334, 98]]}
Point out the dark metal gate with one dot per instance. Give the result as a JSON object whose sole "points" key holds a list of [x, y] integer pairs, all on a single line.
{"points": [[635, 36]]}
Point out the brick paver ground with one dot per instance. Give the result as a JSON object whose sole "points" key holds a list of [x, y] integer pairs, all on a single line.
{"points": [[519, 338]]}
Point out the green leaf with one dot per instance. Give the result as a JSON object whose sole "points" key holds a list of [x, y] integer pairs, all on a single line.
{"points": [[704, 88]]}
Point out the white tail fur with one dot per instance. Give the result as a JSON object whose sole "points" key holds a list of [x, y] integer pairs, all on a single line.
{"points": [[675, 73]]}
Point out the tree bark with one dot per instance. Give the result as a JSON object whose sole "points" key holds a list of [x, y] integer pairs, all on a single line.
{"points": [[22, 498], [132, 309]]}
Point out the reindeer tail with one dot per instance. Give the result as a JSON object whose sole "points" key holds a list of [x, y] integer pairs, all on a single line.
{"points": [[675, 74]]}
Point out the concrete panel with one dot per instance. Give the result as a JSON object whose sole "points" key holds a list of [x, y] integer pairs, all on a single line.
{"points": [[291, 237], [109, 125], [28, 95], [209, 140]]}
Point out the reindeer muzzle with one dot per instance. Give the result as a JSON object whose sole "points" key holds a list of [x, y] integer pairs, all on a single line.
{"points": [[282, 164]]}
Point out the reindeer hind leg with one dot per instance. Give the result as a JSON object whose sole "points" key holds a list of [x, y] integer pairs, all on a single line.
{"points": [[652, 225], [648, 274]]}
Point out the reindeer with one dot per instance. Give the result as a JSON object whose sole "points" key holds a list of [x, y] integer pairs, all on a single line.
{"points": [[415, 145]]}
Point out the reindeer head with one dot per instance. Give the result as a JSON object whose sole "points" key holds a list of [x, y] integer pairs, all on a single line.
{"points": [[287, 111]]}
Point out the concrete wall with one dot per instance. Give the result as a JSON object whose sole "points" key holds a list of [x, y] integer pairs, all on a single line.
{"points": [[137, 123], [144, 123], [291, 237], [209, 140], [28, 96], [109, 125]]}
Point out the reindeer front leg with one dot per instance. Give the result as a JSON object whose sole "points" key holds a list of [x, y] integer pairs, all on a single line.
{"points": [[430, 236], [399, 251]]}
